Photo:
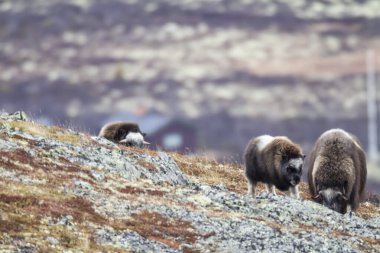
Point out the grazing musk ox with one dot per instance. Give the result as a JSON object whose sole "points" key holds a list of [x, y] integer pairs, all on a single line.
{"points": [[125, 133], [275, 161], [337, 170]]}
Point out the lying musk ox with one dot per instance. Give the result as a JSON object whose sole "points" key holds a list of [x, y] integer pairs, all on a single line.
{"points": [[275, 161], [125, 133], [337, 171]]}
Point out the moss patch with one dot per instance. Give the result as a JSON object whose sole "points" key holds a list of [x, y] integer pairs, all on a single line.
{"points": [[135, 190], [147, 165], [154, 226]]}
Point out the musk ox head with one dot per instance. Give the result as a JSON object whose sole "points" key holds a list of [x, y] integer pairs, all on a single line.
{"points": [[333, 198], [132, 138], [291, 169]]}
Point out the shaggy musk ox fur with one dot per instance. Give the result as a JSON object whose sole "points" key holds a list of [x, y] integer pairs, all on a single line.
{"points": [[275, 161], [126, 133], [337, 171]]}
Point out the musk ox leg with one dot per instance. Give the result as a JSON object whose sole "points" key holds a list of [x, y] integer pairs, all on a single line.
{"points": [[350, 211], [354, 202], [271, 189], [289, 193], [252, 188], [293, 192], [296, 192]]}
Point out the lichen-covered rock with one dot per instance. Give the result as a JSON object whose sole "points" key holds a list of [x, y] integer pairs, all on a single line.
{"points": [[19, 115]]}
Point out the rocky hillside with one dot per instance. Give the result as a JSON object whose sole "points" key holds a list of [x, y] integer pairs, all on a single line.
{"points": [[62, 191]]}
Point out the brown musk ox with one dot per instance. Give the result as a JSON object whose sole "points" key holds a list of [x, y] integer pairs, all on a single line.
{"points": [[125, 133], [337, 170], [275, 161]]}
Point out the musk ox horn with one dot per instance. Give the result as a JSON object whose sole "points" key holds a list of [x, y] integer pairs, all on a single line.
{"points": [[343, 195], [317, 196]]}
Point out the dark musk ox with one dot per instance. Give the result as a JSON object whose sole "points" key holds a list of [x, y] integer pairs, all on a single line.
{"points": [[275, 161], [337, 171], [125, 133]]}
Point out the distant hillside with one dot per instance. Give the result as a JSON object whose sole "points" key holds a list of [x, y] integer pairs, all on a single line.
{"points": [[64, 191], [287, 64]]}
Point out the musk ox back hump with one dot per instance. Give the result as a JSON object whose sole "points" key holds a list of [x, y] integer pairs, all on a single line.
{"points": [[116, 131], [263, 141]]}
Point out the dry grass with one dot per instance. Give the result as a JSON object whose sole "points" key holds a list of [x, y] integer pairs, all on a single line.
{"points": [[110, 249], [135, 190], [37, 191], [368, 211], [21, 161], [372, 242], [54, 173], [44, 201], [170, 231], [145, 151], [211, 172], [147, 165], [51, 132], [232, 176], [24, 209]]}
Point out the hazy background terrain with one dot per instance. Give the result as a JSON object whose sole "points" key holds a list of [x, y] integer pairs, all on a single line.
{"points": [[229, 69]]}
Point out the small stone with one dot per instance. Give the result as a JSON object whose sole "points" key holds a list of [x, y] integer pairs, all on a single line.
{"points": [[53, 240], [82, 184], [3, 216], [66, 221], [97, 176]]}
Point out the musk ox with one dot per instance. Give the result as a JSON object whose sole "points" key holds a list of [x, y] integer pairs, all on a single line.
{"points": [[275, 161], [337, 170], [125, 133]]}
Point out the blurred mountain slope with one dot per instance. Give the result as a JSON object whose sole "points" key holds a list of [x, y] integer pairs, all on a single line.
{"points": [[297, 67]]}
